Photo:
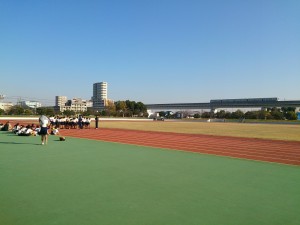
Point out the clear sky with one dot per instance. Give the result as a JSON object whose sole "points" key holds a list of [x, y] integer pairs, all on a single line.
{"points": [[153, 51]]}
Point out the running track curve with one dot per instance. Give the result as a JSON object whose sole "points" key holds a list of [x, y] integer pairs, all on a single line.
{"points": [[286, 152]]}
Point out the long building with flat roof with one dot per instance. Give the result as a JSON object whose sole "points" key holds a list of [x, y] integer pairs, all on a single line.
{"points": [[225, 104]]}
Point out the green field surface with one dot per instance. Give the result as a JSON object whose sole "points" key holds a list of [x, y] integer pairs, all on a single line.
{"points": [[85, 182]]}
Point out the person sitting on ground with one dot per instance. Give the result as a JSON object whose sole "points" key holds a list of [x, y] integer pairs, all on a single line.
{"points": [[7, 126], [21, 131], [26, 131], [37, 130], [16, 128], [55, 131]]}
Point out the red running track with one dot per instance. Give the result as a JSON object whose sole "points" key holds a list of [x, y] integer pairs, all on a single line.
{"points": [[286, 152]]}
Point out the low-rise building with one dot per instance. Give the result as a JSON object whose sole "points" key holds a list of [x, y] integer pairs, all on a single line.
{"points": [[6, 105], [31, 104], [75, 104]]}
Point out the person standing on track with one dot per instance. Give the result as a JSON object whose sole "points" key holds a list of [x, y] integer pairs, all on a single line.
{"points": [[80, 122], [44, 123], [96, 122]]}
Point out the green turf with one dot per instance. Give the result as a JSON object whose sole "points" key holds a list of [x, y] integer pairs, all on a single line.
{"points": [[88, 182]]}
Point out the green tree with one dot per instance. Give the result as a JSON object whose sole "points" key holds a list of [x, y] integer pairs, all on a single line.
{"points": [[2, 112], [221, 114], [28, 112], [88, 112], [288, 109], [131, 108], [291, 115], [110, 109], [103, 113], [251, 115], [45, 111], [277, 115], [41, 111], [69, 113], [227, 115], [130, 105], [197, 115], [268, 116], [205, 115], [262, 114], [237, 114], [121, 107], [16, 110], [50, 111], [140, 109]]}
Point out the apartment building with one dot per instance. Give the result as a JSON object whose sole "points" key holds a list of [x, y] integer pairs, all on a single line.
{"points": [[75, 104], [99, 96]]}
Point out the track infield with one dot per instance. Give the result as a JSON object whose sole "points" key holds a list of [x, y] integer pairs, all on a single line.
{"points": [[82, 181], [287, 152]]}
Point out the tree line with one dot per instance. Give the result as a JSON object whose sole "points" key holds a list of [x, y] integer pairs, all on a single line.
{"points": [[138, 109], [125, 109], [117, 109], [284, 113]]}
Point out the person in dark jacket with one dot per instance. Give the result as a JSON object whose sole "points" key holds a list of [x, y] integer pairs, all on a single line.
{"points": [[7, 126], [96, 121], [80, 124]]}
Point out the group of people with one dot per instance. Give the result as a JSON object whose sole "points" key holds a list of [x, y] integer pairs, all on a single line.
{"points": [[32, 129], [29, 130], [70, 122], [49, 125], [56, 123]]}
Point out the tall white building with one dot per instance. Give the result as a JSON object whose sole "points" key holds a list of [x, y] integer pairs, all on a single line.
{"points": [[99, 95], [100, 90], [60, 100]]}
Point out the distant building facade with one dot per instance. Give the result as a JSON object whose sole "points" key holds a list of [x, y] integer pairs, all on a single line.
{"points": [[6, 105], [31, 104], [76, 104], [60, 100], [99, 96]]}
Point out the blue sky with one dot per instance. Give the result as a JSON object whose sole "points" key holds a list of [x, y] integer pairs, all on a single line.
{"points": [[153, 51]]}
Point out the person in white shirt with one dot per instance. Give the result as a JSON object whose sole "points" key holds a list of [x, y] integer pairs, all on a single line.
{"points": [[55, 131], [44, 122]]}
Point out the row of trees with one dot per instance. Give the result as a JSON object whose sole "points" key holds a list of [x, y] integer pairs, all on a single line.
{"points": [[19, 110], [138, 109], [285, 113], [120, 109], [126, 109]]}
